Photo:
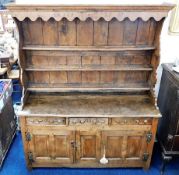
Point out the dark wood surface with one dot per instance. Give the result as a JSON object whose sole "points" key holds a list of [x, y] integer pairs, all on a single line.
{"points": [[168, 103], [7, 128]]}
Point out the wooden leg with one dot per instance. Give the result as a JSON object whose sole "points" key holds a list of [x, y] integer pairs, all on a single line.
{"points": [[166, 159]]}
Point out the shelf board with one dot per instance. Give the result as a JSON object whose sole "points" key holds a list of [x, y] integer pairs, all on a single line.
{"points": [[132, 88], [87, 48], [93, 68]]}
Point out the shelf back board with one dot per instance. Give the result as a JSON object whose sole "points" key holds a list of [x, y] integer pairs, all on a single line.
{"points": [[89, 46]]}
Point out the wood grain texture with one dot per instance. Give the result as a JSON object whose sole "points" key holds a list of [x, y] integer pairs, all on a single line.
{"points": [[49, 32], [116, 30], [88, 74], [85, 33], [67, 32], [90, 105], [100, 32], [36, 32]]}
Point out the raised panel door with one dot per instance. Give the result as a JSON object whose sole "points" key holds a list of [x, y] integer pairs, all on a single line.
{"points": [[88, 145], [120, 147], [52, 147]]}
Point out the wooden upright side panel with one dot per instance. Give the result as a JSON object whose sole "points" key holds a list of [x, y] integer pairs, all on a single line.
{"points": [[85, 33], [100, 32], [36, 32], [67, 32], [116, 30], [152, 29], [50, 32], [156, 54], [130, 32]]}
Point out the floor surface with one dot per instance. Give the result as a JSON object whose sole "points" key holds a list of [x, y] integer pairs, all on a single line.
{"points": [[14, 164]]}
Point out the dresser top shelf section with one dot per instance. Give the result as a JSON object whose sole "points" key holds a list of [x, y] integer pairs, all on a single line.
{"points": [[95, 12], [89, 48], [81, 105]]}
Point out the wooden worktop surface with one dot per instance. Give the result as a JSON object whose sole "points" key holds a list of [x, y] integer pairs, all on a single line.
{"points": [[89, 106]]}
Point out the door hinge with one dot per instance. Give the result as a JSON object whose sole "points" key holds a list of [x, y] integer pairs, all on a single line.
{"points": [[30, 157], [28, 136], [145, 157], [148, 137]]}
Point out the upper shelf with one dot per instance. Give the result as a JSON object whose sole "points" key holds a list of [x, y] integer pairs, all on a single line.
{"points": [[87, 48], [92, 68], [95, 12]]}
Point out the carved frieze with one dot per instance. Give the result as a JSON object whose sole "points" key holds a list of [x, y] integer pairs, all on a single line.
{"points": [[91, 121], [46, 121]]}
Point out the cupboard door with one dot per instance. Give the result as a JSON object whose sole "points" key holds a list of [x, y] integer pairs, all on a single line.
{"points": [[123, 146], [52, 146], [88, 146]]}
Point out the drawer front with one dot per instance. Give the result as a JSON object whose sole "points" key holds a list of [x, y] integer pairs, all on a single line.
{"points": [[131, 121], [46, 121], [88, 121]]}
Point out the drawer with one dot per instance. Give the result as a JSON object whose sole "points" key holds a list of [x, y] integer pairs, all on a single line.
{"points": [[88, 121], [131, 121], [46, 121]]}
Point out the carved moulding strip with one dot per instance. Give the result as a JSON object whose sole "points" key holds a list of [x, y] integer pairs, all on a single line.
{"points": [[46, 121], [83, 15], [91, 121]]}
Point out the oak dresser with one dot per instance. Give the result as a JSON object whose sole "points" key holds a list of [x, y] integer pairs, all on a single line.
{"points": [[88, 74]]}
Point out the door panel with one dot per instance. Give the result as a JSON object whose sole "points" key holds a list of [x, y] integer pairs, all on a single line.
{"points": [[123, 145], [88, 146], [113, 146], [52, 146], [134, 146], [63, 149], [41, 145]]}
